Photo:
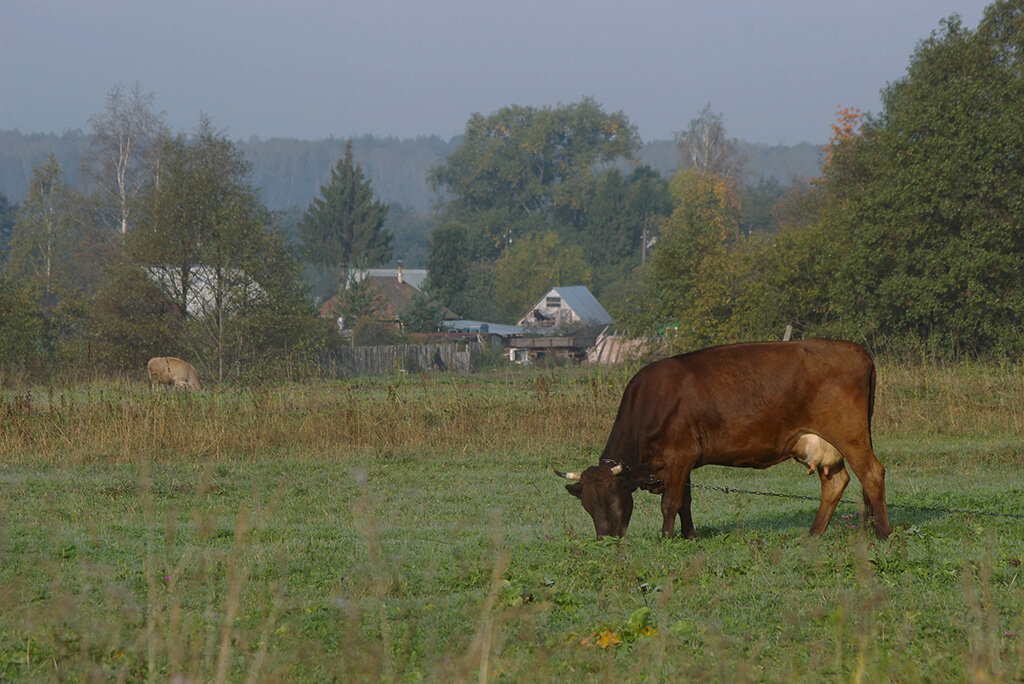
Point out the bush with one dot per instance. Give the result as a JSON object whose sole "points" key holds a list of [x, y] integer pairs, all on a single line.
{"points": [[368, 332], [22, 329]]}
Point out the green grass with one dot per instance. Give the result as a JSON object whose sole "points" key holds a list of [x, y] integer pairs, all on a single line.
{"points": [[410, 528]]}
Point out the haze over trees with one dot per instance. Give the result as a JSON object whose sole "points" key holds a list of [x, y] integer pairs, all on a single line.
{"points": [[289, 174], [910, 239]]}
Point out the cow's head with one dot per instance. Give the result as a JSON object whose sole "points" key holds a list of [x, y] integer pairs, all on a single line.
{"points": [[606, 491]]}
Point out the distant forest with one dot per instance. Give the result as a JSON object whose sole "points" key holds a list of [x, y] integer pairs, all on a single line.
{"points": [[289, 172]]}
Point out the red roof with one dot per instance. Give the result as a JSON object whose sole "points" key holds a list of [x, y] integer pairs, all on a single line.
{"points": [[393, 297]]}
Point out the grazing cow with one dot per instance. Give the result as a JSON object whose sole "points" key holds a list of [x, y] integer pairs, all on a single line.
{"points": [[168, 370], [745, 405]]}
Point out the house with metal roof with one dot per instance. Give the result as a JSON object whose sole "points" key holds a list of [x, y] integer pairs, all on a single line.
{"points": [[566, 308], [412, 276], [564, 322]]}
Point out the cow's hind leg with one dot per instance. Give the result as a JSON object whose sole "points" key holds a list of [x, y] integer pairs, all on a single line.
{"points": [[871, 474], [832, 487], [866, 512]]}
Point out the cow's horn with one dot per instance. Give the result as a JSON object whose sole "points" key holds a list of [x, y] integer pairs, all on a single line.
{"points": [[575, 477]]}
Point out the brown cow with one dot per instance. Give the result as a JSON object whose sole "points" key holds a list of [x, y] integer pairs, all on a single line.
{"points": [[168, 370], [745, 405]]}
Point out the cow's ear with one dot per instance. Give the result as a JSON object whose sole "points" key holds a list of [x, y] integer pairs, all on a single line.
{"points": [[637, 476], [576, 489]]}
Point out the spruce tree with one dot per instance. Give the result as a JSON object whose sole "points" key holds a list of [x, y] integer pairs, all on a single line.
{"points": [[344, 224]]}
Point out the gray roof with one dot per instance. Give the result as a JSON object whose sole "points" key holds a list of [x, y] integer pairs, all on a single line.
{"points": [[579, 299], [413, 276]]}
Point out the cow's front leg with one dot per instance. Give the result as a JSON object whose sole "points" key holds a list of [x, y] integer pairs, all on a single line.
{"points": [[685, 517], [676, 501]]}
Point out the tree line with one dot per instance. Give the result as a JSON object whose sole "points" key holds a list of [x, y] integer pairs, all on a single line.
{"points": [[159, 243], [289, 171]]}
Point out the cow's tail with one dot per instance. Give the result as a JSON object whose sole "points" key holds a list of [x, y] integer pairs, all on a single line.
{"points": [[872, 379]]}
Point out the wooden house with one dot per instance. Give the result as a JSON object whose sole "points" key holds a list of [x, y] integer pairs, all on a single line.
{"points": [[392, 294], [566, 308], [564, 322]]}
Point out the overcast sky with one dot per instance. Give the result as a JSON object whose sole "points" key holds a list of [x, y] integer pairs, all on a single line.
{"points": [[775, 69]]}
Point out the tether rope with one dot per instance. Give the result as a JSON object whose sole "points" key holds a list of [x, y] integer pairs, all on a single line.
{"points": [[939, 509]]}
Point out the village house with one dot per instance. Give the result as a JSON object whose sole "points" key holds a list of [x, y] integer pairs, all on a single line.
{"points": [[393, 295], [566, 309], [208, 287], [564, 323]]}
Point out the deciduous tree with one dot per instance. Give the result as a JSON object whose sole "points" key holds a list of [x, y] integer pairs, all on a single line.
{"points": [[704, 146], [8, 215], [523, 169], [844, 130], [124, 153], [449, 266], [22, 327], [927, 199], [621, 212], [532, 266], [520, 172], [43, 240], [202, 239], [688, 283]]}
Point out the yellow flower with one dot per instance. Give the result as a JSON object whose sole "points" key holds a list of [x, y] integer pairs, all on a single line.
{"points": [[608, 638]]}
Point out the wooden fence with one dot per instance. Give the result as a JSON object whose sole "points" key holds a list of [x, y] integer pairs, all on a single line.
{"points": [[412, 358]]}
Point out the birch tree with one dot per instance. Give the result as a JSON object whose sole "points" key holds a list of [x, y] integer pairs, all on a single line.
{"points": [[42, 240], [704, 146], [124, 155]]}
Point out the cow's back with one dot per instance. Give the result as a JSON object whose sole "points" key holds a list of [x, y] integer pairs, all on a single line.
{"points": [[744, 401], [170, 370]]}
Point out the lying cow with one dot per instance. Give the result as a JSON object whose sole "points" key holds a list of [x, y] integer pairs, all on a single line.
{"points": [[744, 405], [168, 370]]}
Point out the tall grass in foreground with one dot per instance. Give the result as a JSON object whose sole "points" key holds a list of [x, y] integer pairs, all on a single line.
{"points": [[409, 528]]}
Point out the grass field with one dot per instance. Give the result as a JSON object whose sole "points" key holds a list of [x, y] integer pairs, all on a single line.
{"points": [[409, 528]]}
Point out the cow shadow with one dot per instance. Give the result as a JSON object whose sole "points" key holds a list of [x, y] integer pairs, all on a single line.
{"points": [[798, 521]]}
